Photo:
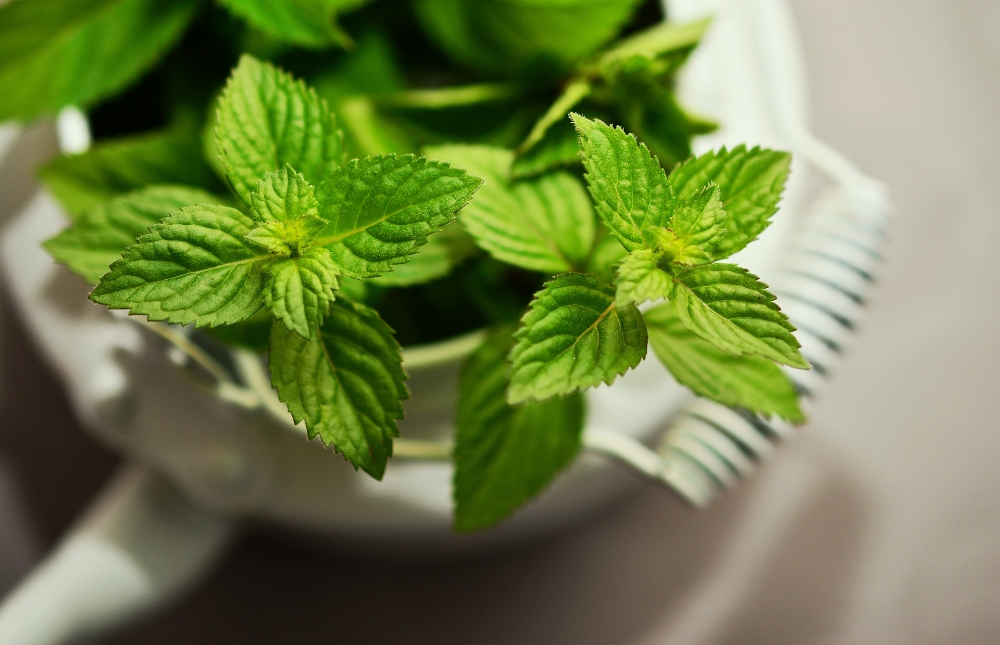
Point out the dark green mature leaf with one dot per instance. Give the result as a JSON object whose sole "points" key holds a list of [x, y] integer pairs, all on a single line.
{"points": [[640, 278], [751, 382], [194, 266], [74, 52], [300, 289], [346, 383], [118, 166], [544, 224], [506, 455], [730, 308], [573, 337], [751, 182], [267, 119], [100, 236], [444, 250], [696, 229], [381, 209], [630, 189], [307, 23], [522, 36]]}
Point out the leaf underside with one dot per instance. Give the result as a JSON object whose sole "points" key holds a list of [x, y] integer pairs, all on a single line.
{"points": [[730, 308], [751, 382], [542, 224], [101, 234]]}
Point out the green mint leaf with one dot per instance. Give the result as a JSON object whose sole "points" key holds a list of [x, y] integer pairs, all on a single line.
{"points": [[511, 38], [543, 224], [730, 308], [194, 266], [751, 183], [101, 234], [70, 52], [287, 211], [307, 23], [444, 250], [118, 166], [663, 38], [574, 92], [381, 209], [267, 119], [573, 337], [300, 289], [559, 148], [346, 383], [751, 382], [696, 229], [640, 278], [283, 196], [630, 189], [506, 455]]}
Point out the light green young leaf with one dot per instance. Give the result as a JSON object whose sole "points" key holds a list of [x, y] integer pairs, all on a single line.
{"points": [[283, 196], [506, 455], [307, 23], [346, 383], [751, 183], [751, 382], [300, 289], [99, 237], [194, 266], [630, 189], [573, 337], [730, 308], [285, 207], [381, 209], [696, 229], [444, 250], [543, 224], [267, 119], [75, 52], [640, 279], [118, 166]]}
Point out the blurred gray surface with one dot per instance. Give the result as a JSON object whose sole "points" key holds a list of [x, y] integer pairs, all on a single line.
{"points": [[879, 524]]}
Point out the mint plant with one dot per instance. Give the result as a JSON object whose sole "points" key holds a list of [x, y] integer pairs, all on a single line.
{"points": [[426, 183]]}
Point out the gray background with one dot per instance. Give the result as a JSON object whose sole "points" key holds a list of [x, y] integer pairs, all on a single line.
{"points": [[878, 524]]}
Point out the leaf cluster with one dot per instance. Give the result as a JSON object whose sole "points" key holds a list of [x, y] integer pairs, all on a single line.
{"points": [[325, 223]]}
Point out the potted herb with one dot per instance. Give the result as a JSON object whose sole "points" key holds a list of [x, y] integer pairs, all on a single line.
{"points": [[329, 181]]}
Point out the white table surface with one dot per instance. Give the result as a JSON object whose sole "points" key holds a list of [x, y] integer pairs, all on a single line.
{"points": [[879, 524]]}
